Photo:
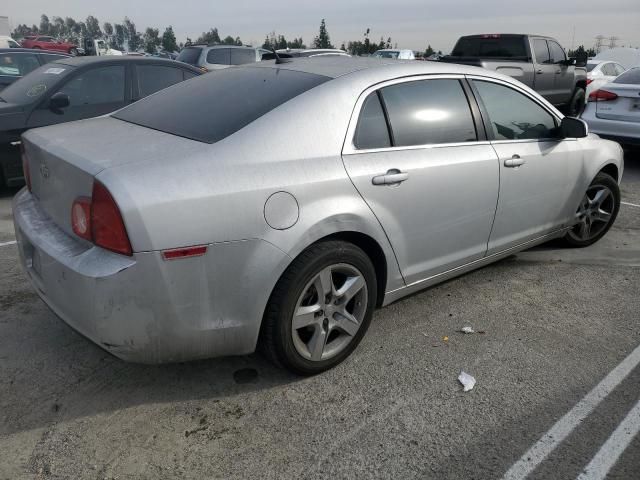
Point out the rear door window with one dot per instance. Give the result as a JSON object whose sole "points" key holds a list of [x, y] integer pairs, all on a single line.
{"points": [[541, 51], [609, 70], [152, 78], [513, 115], [219, 56], [17, 64], [618, 68], [241, 56], [97, 86], [372, 131], [429, 112]]}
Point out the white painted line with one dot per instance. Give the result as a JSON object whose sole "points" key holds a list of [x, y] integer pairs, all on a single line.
{"points": [[12, 242], [630, 204], [563, 427], [617, 443]]}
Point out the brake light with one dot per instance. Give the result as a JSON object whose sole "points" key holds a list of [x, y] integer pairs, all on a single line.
{"points": [[98, 219], [589, 80], [107, 227], [602, 96], [25, 166]]}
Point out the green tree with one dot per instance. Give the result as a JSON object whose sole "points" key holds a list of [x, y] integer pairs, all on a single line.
{"points": [[45, 26], [323, 40], [107, 28], [429, 51], [169, 40], [210, 37], [119, 36], [151, 39], [132, 37], [93, 27], [58, 28]]}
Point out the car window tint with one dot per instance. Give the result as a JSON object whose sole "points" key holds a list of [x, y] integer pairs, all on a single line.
{"points": [[32, 87], [152, 78], [219, 56], [46, 39], [557, 54], [213, 106], [631, 77], [618, 68], [17, 64], [609, 69], [591, 66], [541, 51], [491, 46], [97, 86], [372, 131], [240, 56], [512, 115], [190, 55], [428, 111]]}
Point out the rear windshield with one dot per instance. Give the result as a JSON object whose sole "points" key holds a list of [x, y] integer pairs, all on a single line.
{"points": [[630, 77], [496, 47], [213, 106], [190, 55], [591, 66], [32, 87]]}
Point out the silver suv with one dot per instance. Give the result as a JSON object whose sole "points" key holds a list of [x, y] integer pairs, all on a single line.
{"points": [[215, 57]]}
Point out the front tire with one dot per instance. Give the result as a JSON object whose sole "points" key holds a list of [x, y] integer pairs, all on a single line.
{"points": [[320, 308], [577, 103], [596, 213]]}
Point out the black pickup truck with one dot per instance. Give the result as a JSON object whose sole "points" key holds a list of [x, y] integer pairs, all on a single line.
{"points": [[537, 61]]}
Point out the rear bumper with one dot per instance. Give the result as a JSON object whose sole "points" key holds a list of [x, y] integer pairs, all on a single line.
{"points": [[622, 132], [142, 308]]}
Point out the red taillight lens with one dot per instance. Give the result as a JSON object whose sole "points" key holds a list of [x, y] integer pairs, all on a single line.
{"points": [[81, 217], [185, 252], [589, 80], [107, 227], [602, 96], [25, 166]]}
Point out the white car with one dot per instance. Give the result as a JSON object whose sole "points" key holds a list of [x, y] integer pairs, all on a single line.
{"points": [[613, 111], [600, 72], [8, 42], [395, 53]]}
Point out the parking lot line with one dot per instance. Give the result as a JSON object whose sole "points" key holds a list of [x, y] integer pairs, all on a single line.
{"points": [[563, 427], [617, 443], [630, 204], [12, 242]]}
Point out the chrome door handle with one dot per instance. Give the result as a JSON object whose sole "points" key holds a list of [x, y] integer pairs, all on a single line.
{"points": [[514, 162], [392, 177]]}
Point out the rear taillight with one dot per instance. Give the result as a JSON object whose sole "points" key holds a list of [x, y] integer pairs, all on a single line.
{"points": [[25, 166], [589, 80], [602, 96], [98, 220]]}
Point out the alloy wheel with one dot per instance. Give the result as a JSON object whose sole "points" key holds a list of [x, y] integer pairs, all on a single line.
{"points": [[329, 312], [594, 213]]}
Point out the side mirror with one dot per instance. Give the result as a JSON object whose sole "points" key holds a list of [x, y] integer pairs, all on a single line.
{"points": [[58, 101], [573, 128], [569, 62], [581, 59]]}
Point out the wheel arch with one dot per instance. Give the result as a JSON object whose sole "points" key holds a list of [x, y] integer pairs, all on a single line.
{"points": [[612, 170]]}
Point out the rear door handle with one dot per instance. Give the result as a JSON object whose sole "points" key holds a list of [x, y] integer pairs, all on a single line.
{"points": [[514, 162], [392, 177]]}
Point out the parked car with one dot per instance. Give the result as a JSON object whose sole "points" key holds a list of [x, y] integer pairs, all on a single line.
{"points": [[600, 72], [538, 62], [613, 111], [73, 89], [216, 57], [185, 226], [395, 54], [45, 42], [8, 42], [15, 63]]}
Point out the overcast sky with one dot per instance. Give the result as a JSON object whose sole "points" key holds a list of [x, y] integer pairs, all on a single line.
{"points": [[410, 23]]}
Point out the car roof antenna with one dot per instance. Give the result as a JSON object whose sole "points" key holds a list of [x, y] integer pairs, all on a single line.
{"points": [[279, 59]]}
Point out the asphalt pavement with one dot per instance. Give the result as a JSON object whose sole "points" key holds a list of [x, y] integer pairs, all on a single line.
{"points": [[556, 366]]}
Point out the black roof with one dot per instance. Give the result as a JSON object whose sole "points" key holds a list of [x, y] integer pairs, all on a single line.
{"points": [[83, 61], [32, 50]]}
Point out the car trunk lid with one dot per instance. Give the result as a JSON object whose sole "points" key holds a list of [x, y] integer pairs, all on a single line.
{"points": [[626, 107]]}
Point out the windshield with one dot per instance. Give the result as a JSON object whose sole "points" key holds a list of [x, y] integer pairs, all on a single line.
{"points": [[190, 55], [386, 54], [33, 86], [213, 106], [490, 46]]}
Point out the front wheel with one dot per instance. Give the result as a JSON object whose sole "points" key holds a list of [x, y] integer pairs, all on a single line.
{"points": [[577, 103], [596, 213], [320, 309]]}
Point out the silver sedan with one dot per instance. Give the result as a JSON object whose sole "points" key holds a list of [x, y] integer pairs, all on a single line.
{"points": [[276, 205]]}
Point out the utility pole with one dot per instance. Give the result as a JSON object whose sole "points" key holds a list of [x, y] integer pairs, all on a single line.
{"points": [[599, 40], [612, 41]]}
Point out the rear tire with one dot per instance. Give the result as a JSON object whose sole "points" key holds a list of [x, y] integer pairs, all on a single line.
{"points": [[320, 309], [596, 213], [577, 103]]}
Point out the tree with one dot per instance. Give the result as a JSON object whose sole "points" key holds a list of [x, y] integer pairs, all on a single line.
{"points": [[169, 40], [429, 51], [107, 28], [45, 26], [93, 27], [58, 28], [132, 36], [151, 40], [119, 36], [323, 40], [210, 37], [188, 43], [366, 47]]}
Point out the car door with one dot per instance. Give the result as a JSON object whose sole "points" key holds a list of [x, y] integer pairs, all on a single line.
{"points": [[539, 173], [153, 78], [544, 70], [92, 92], [564, 77], [419, 158]]}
